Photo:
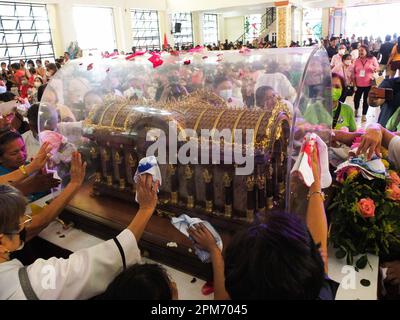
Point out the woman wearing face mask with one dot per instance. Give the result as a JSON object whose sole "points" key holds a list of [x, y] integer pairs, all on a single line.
{"points": [[364, 68], [337, 59], [87, 272], [33, 94], [223, 87], [343, 116], [346, 70]]}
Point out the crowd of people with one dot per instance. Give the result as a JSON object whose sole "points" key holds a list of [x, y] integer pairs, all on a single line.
{"points": [[361, 62], [258, 263]]}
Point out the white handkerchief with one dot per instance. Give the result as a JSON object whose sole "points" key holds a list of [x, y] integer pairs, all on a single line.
{"points": [[303, 165], [148, 165]]}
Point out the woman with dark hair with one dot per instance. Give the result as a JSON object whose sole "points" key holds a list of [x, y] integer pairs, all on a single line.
{"points": [[343, 116], [394, 60], [142, 282], [13, 156], [346, 71], [51, 70], [37, 163], [364, 68], [87, 272], [279, 258]]}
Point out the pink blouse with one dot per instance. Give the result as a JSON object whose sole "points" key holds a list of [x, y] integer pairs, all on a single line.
{"points": [[364, 71], [346, 72]]}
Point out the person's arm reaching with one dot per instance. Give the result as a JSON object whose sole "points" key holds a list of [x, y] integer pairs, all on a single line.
{"points": [[38, 163], [87, 272], [147, 198], [205, 240], [375, 137], [316, 218], [346, 138], [51, 211]]}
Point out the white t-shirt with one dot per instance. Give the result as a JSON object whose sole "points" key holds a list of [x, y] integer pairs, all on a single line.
{"points": [[85, 274], [32, 145], [394, 151]]}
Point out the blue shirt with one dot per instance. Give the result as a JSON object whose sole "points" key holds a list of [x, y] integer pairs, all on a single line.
{"points": [[31, 197]]}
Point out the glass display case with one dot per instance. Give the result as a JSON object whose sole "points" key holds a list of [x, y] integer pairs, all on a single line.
{"points": [[226, 127]]}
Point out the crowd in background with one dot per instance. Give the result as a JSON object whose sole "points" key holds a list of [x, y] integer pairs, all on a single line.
{"points": [[248, 269]]}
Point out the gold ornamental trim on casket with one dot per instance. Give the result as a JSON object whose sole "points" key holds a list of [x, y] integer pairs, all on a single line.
{"points": [[236, 124], [219, 192], [192, 104], [279, 108], [218, 119], [199, 118]]}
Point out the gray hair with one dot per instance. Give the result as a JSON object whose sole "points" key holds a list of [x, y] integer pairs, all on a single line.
{"points": [[12, 207]]}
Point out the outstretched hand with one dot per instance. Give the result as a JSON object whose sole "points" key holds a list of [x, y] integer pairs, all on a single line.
{"points": [[146, 191], [371, 142], [78, 169], [203, 237], [39, 161]]}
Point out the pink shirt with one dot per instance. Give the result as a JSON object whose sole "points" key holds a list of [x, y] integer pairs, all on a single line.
{"points": [[364, 71], [336, 61], [346, 72]]}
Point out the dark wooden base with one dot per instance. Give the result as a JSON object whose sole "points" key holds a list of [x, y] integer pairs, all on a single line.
{"points": [[105, 217]]}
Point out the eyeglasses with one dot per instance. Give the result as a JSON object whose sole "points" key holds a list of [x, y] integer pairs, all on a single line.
{"points": [[27, 219]]}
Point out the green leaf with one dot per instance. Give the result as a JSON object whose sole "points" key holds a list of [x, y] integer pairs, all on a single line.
{"points": [[349, 259], [362, 262]]}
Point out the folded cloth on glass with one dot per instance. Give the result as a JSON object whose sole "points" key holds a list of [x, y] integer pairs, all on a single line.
{"points": [[148, 165], [303, 164], [373, 169], [184, 222]]}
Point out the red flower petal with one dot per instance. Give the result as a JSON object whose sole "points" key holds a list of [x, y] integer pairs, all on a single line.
{"points": [[207, 288], [90, 67], [156, 60], [133, 55], [186, 62]]}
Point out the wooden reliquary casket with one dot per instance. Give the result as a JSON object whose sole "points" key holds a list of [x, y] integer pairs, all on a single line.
{"points": [[121, 132]]}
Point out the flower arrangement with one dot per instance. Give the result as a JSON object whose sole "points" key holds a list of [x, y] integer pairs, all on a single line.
{"points": [[365, 215]]}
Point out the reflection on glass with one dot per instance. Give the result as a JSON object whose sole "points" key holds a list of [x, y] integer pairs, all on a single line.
{"points": [[225, 128]]}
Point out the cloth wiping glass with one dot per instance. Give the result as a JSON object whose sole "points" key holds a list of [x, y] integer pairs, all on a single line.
{"points": [[184, 222], [148, 165]]}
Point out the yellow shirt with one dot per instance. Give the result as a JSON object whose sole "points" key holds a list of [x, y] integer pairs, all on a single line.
{"points": [[395, 54]]}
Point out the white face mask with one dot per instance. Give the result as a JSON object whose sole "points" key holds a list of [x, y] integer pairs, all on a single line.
{"points": [[226, 94], [37, 84], [347, 62], [3, 89], [342, 51]]}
